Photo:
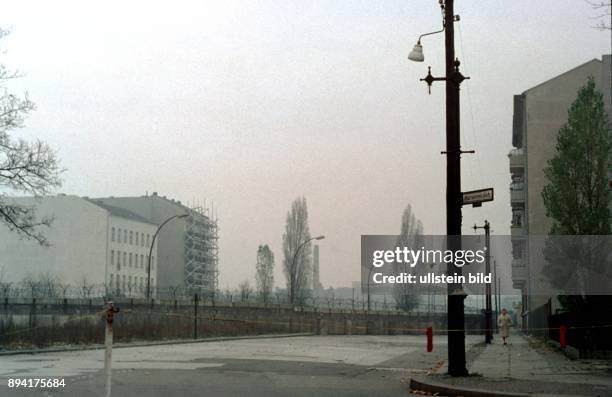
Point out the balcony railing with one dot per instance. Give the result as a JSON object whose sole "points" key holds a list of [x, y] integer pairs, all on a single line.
{"points": [[517, 158], [517, 192]]}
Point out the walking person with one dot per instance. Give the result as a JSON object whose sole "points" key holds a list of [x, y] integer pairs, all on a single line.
{"points": [[504, 321]]}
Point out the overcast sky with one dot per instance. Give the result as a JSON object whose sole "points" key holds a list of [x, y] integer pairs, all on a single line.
{"points": [[249, 104]]}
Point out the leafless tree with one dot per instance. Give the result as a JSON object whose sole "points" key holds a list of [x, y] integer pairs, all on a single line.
{"points": [[297, 265], [603, 10], [411, 231], [245, 290], [25, 167], [49, 285], [32, 286], [265, 272], [86, 287], [64, 288]]}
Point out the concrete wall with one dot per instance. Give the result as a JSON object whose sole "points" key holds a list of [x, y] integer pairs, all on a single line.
{"points": [[77, 240], [42, 323]]}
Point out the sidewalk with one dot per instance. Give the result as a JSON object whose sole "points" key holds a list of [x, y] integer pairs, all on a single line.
{"points": [[527, 366]]}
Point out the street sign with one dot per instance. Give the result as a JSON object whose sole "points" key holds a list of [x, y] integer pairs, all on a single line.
{"points": [[477, 197]]}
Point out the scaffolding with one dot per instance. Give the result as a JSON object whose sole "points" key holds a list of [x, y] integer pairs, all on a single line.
{"points": [[201, 252]]}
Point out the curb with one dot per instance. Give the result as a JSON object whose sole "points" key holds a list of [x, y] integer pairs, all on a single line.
{"points": [[145, 344], [452, 391]]}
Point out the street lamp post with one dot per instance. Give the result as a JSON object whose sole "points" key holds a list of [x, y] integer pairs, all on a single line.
{"points": [[453, 79], [488, 309], [148, 294], [293, 279]]}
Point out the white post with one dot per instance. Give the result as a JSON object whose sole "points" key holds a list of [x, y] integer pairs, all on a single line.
{"points": [[108, 342]]}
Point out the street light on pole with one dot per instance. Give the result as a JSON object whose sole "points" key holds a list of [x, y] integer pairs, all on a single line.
{"points": [[293, 280], [148, 294], [453, 79]]}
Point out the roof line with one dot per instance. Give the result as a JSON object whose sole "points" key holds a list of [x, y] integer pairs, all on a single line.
{"points": [[561, 74]]}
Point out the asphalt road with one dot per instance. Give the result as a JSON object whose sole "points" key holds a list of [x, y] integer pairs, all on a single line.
{"points": [[293, 366]]}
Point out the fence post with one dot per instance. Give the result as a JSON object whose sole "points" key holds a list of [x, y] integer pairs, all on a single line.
{"points": [[195, 316], [108, 342], [33, 313]]}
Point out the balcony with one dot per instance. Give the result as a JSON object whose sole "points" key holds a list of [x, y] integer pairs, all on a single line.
{"points": [[517, 192], [517, 231], [517, 158], [519, 273]]}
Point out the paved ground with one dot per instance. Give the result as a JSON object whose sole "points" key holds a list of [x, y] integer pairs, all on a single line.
{"points": [[296, 366], [529, 366]]}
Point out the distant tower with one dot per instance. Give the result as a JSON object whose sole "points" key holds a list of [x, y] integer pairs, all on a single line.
{"points": [[316, 282]]}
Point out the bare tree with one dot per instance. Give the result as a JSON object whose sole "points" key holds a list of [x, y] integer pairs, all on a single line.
{"points": [[48, 285], [411, 231], [86, 287], [25, 167], [603, 11], [265, 272], [5, 285], [296, 264], [245, 290], [32, 286]]}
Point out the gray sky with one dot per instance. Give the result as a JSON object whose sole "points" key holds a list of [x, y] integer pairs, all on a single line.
{"points": [[250, 104]]}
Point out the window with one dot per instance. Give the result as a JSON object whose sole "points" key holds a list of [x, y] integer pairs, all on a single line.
{"points": [[118, 260], [141, 261], [125, 236], [152, 262], [148, 244], [124, 258], [118, 235], [147, 259], [142, 239], [112, 257], [130, 261], [117, 282], [111, 279], [136, 238], [124, 281], [113, 234]]}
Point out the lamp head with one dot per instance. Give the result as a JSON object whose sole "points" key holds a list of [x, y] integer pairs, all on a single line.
{"points": [[416, 54], [319, 237]]}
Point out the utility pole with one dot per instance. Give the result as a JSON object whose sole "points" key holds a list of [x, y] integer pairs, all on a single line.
{"points": [[488, 305], [456, 295], [453, 79]]}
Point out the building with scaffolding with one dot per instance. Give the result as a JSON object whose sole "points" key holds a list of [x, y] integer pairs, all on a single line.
{"points": [[187, 247]]}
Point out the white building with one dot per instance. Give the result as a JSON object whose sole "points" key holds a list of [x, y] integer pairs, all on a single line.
{"points": [[95, 249], [539, 113]]}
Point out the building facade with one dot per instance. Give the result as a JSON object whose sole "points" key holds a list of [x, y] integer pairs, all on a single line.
{"points": [[94, 250], [188, 250], [539, 113]]}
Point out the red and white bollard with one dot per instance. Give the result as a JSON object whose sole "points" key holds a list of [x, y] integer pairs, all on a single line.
{"points": [[108, 342]]}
